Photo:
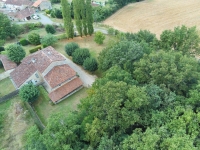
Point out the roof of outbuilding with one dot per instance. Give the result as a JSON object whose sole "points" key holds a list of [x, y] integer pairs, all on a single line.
{"points": [[19, 2], [7, 64]]}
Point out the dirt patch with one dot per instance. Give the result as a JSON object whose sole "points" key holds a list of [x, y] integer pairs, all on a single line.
{"points": [[14, 128], [156, 15]]}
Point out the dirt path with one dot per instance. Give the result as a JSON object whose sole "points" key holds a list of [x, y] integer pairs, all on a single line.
{"points": [[156, 15]]}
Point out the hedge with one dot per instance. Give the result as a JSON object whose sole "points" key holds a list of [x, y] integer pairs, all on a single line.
{"points": [[61, 36], [35, 49]]}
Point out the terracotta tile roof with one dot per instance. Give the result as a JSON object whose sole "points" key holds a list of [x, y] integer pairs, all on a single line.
{"points": [[7, 64], [22, 73], [37, 3], [24, 13], [19, 2], [59, 74], [37, 61], [65, 89]]}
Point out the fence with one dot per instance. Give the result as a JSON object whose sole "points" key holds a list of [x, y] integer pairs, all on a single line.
{"points": [[8, 96], [35, 117]]}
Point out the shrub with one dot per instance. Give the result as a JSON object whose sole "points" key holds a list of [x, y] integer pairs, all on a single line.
{"points": [[35, 49], [61, 36], [111, 31], [55, 1], [80, 55], [90, 64], [23, 42], [52, 14], [15, 53], [48, 11], [2, 48], [58, 13], [29, 93], [70, 48], [34, 38], [48, 40], [50, 29], [99, 37]]}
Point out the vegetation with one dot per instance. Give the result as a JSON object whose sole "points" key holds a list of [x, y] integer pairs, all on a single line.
{"points": [[29, 93], [90, 64], [50, 29], [70, 48], [55, 1], [23, 42], [35, 49], [48, 40], [89, 17], [15, 53], [79, 55], [99, 37], [34, 38]]}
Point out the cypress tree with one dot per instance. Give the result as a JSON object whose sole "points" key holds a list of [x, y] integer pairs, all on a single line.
{"points": [[83, 16], [89, 17], [68, 24]]}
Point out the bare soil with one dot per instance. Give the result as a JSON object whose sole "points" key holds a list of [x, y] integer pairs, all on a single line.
{"points": [[156, 15]]}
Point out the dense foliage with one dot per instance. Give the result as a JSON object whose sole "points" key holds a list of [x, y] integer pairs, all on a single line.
{"points": [[50, 29], [70, 48], [48, 40], [29, 93], [15, 53], [147, 99], [34, 38], [79, 55], [90, 64], [99, 37], [23, 42]]}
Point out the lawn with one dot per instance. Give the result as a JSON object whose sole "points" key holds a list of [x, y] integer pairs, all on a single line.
{"points": [[44, 109], [6, 87], [1, 70]]}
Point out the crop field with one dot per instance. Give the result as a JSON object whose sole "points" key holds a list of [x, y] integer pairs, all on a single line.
{"points": [[156, 15]]}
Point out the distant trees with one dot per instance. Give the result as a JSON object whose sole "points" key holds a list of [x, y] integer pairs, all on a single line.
{"points": [[50, 29], [29, 93], [15, 53], [68, 24], [34, 38], [99, 37], [70, 48]]}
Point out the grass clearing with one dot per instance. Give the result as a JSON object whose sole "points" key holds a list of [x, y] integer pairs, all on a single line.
{"points": [[44, 109], [156, 16], [1, 70], [6, 87]]}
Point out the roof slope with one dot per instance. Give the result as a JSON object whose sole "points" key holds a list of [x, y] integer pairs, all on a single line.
{"points": [[38, 2], [59, 74], [7, 64], [19, 2], [65, 89], [24, 13]]}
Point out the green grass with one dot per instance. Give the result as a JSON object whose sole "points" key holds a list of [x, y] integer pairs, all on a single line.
{"points": [[44, 109], [6, 87], [5, 105], [1, 70]]}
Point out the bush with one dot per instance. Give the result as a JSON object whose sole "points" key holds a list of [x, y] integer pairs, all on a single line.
{"points": [[55, 1], [29, 93], [50, 29], [52, 14], [111, 31], [80, 55], [48, 11], [61, 36], [48, 40], [23, 42], [34, 38], [99, 37], [58, 13], [70, 48], [90, 64], [35, 49], [2, 48]]}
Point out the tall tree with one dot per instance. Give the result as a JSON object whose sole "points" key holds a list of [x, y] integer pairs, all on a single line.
{"points": [[89, 17], [68, 24], [83, 17], [77, 16]]}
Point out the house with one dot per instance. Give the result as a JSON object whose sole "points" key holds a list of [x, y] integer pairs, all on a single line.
{"points": [[49, 68], [22, 15], [16, 5], [42, 5]]}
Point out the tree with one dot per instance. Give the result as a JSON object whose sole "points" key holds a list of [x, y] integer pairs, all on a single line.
{"points": [[15, 53], [68, 24], [89, 17], [55, 1], [77, 15], [71, 47], [99, 37], [58, 13], [34, 38], [48, 40], [5, 27], [50, 29], [80, 55], [90, 64], [29, 93]]}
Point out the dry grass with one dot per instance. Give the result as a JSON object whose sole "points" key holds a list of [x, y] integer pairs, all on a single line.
{"points": [[6, 87], [44, 109], [156, 15]]}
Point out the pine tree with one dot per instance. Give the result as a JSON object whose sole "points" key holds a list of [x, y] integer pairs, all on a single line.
{"points": [[89, 17], [68, 24]]}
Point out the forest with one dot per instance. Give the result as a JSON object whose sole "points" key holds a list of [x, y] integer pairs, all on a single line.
{"points": [[147, 99]]}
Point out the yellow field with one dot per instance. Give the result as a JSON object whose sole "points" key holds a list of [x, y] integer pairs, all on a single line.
{"points": [[156, 15]]}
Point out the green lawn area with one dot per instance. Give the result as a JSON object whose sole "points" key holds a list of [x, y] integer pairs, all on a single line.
{"points": [[6, 87], [44, 109], [1, 70]]}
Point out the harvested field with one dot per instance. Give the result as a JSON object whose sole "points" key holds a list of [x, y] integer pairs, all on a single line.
{"points": [[156, 15]]}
